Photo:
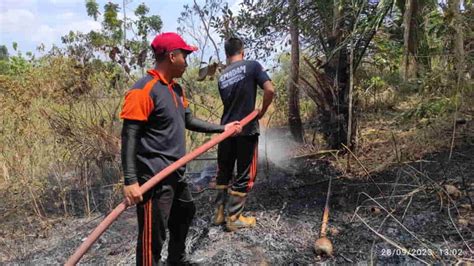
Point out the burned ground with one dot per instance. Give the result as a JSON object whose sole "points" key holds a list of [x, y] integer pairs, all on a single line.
{"points": [[411, 205]]}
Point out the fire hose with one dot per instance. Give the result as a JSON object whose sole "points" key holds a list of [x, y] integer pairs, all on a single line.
{"points": [[100, 229]]}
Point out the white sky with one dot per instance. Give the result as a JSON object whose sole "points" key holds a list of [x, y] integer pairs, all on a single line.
{"points": [[32, 22]]}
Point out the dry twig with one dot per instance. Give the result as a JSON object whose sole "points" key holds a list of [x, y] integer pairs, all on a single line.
{"points": [[280, 213], [365, 169]]}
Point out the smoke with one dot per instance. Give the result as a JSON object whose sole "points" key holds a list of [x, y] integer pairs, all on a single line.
{"points": [[275, 146]]}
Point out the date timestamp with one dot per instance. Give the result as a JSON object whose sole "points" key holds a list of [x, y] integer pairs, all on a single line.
{"points": [[387, 252]]}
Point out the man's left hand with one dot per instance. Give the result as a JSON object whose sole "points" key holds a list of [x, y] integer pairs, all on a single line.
{"points": [[237, 126]]}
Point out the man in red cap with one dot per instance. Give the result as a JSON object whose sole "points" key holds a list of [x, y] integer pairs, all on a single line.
{"points": [[155, 115]]}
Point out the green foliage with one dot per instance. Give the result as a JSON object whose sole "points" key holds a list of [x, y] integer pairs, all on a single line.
{"points": [[4, 67], [280, 80], [96, 39], [146, 24], [3, 53], [4, 64], [155, 23], [15, 65], [376, 82], [142, 10], [60, 111], [124, 54], [387, 51], [261, 24], [431, 108], [92, 8], [18, 65], [111, 21]]}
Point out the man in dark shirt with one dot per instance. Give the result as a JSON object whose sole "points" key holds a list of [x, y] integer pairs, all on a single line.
{"points": [[155, 114], [238, 90]]}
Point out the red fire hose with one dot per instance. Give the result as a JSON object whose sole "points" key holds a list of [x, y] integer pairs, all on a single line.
{"points": [[149, 184]]}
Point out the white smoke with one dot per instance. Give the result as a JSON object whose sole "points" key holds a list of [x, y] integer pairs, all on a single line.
{"points": [[275, 145]]}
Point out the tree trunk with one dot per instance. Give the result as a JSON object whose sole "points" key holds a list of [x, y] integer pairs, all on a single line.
{"points": [[351, 89], [408, 69], [294, 119], [458, 42], [335, 122]]}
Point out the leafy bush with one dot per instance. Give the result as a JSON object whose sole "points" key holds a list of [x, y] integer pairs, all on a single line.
{"points": [[431, 108]]}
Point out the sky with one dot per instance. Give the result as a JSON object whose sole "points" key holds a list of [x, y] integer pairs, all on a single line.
{"points": [[32, 22]]}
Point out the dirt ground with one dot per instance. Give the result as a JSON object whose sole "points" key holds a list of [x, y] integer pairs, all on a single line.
{"points": [[423, 208]]}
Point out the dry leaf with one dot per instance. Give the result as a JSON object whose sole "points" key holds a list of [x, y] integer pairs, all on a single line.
{"points": [[212, 69], [202, 73], [453, 191], [463, 222]]}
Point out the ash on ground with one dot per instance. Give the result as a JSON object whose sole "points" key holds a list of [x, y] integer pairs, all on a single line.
{"points": [[410, 208]]}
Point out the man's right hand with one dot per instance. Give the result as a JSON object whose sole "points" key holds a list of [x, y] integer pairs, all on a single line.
{"points": [[237, 125], [132, 194]]}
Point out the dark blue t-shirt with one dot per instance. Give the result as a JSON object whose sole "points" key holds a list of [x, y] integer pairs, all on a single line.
{"points": [[238, 89]]}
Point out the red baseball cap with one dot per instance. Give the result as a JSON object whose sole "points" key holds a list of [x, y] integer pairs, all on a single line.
{"points": [[169, 41]]}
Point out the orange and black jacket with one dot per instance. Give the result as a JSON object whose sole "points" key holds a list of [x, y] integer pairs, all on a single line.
{"points": [[155, 114]]}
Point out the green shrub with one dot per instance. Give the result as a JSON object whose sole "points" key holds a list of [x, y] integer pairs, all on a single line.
{"points": [[431, 108]]}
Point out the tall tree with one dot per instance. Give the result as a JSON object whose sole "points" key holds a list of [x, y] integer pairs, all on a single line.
{"points": [[325, 32], [416, 17], [264, 26], [336, 24], [458, 41], [129, 51], [3, 52], [196, 21], [4, 66], [408, 69], [294, 118]]}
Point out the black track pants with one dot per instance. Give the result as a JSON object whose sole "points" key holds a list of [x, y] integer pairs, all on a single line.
{"points": [[167, 205], [242, 149]]}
